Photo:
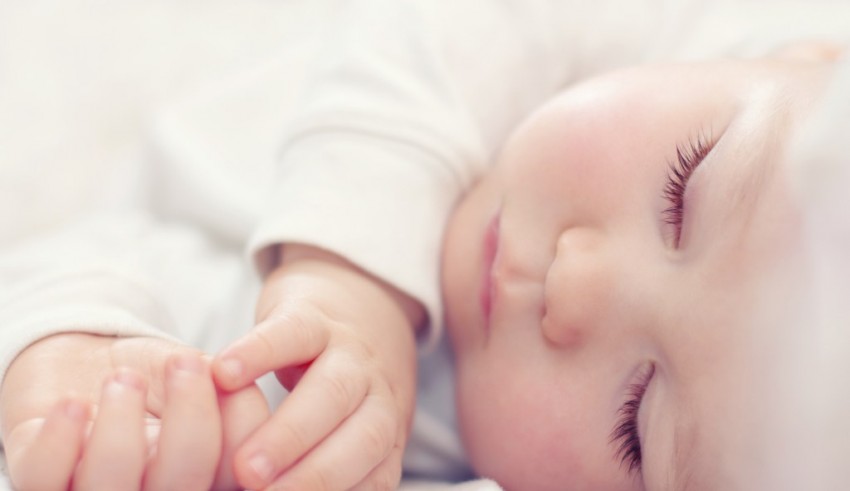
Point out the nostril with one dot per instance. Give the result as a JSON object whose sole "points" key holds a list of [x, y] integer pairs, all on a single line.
{"points": [[577, 287], [561, 333]]}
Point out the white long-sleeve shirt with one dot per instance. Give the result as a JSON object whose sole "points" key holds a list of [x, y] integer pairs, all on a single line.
{"points": [[359, 138]]}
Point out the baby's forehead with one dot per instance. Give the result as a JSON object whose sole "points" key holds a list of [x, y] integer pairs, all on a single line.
{"points": [[628, 97]]}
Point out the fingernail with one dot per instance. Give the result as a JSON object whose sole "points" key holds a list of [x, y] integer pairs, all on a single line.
{"points": [[262, 466], [129, 379], [122, 383], [189, 363], [232, 368], [75, 410]]}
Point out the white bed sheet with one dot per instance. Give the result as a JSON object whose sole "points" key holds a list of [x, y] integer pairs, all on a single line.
{"points": [[479, 485], [5, 485]]}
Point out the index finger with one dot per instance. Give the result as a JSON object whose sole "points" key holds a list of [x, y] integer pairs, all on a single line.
{"points": [[285, 340], [332, 389]]}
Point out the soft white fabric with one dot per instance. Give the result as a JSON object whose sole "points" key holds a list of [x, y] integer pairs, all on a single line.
{"points": [[185, 129]]}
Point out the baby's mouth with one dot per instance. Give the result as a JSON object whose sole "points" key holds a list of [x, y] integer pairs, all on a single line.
{"points": [[490, 247]]}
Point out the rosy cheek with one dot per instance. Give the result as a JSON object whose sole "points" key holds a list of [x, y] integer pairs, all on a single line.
{"points": [[513, 431]]}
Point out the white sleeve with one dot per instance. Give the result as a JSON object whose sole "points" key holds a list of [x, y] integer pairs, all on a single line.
{"points": [[119, 274], [408, 104]]}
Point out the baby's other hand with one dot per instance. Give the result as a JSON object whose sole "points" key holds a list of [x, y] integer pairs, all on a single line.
{"points": [[81, 411], [343, 343]]}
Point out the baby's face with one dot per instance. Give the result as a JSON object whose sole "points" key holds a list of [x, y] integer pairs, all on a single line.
{"points": [[601, 306]]}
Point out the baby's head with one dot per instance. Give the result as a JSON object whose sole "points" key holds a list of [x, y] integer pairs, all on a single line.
{"points": [[616, 253]]}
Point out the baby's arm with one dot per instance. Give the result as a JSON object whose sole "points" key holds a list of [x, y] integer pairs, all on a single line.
{"points": [[344, 342]]}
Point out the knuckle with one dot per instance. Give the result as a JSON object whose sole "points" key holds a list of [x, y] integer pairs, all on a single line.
{"points": [[378, 481], [342, 382], [385, 482], [301, 328], [297, 441], [312, 479], [282, 444], [297, 327], [389, 475], [338, 390], [321, 481], [301, 325], [263, 342], [361, 352], [378, 439]]}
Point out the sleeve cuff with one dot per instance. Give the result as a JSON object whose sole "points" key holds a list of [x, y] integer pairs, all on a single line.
{"points": [[91, 302], [381, 205]]}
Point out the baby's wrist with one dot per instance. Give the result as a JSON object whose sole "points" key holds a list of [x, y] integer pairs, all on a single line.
{"points": [[71, 340], [293, 253]]}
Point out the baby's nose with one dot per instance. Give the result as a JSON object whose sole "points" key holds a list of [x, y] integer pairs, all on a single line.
{"points": [[581, 288]]}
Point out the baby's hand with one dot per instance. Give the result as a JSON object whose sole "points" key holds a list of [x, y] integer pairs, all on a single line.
{"points": [[343, 343], [72, 420]]}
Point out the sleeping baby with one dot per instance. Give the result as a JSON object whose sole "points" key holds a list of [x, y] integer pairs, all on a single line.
{"points": [[621, 248], [601, 287]]}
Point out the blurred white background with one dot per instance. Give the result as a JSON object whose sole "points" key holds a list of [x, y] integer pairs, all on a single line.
{"points": [[82, 83]]}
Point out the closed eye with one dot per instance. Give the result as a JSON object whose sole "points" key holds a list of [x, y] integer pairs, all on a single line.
{"points": [[625, 435], [688, 157]]}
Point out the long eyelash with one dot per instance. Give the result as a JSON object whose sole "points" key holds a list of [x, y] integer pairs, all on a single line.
{"points": [[688, 158], [626, 430]]}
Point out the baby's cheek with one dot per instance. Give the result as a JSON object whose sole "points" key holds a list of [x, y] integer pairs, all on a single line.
{"points": [[512, 433]]}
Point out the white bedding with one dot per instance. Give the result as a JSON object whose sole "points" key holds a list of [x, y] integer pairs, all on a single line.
{"points": [[479, 485], [4, 479]]}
